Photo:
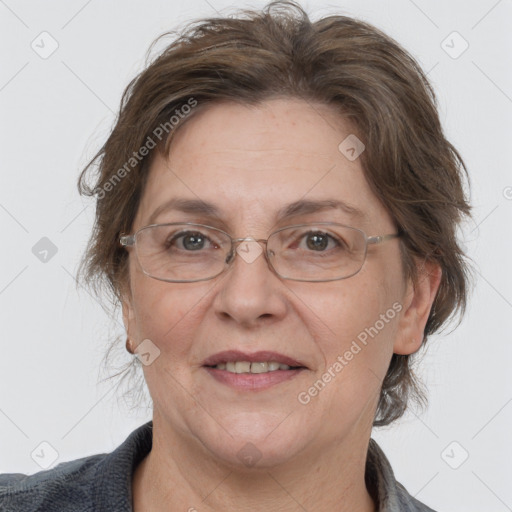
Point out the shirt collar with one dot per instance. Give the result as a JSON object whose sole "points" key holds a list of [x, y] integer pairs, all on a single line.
{"points": [[389, 495], [113, 482]]}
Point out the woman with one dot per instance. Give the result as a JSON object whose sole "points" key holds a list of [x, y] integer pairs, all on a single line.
{"points": [[276, 215]]}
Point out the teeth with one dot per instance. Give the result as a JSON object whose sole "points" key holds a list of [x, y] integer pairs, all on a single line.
{"points": [[259, 367], [247, 367], [242, 367]]}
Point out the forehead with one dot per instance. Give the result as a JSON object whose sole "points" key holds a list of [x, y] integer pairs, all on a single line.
{"points": [[250, 163]]}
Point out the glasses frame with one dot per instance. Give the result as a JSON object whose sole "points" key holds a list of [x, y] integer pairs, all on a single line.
{"points": [[131, 241]]}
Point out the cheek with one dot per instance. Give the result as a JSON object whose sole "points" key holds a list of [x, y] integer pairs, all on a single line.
{"points": [[356, 325], [169, 316], [355, 330], [345, 309], [164, 313]]}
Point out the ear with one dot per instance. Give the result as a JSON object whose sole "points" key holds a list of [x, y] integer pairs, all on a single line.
{"points": [[417, 303]]}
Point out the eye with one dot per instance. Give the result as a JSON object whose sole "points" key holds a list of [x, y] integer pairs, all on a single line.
{"points": [[319, 241], [189, 241]]}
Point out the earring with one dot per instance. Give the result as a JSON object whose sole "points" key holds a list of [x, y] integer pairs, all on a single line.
{"points": [[128, 345]]}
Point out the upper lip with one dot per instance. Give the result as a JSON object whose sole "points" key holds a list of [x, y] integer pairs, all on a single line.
{"points": [[261, 356]]}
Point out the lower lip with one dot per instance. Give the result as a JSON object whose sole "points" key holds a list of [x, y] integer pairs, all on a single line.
{"points": [[252, 381]]}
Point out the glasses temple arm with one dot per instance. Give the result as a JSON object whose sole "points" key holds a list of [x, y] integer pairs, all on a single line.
{"points": [[377, 239]]}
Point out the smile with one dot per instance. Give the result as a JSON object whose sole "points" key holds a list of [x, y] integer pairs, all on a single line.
{"points": [[254, 367], [252, 371]]}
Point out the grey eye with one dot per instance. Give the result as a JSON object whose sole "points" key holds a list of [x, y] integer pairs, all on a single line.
{"points": [[193, 241], [317, 241], [189, 241]]}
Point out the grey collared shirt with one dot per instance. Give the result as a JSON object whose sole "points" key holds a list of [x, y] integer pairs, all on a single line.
{"points": [[103, 482]]}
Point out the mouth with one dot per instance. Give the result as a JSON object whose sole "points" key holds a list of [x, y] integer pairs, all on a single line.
{"points": [[235, 361], [252, 367], [258, 370]]}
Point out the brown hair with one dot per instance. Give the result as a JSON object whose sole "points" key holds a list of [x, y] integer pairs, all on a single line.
{"points": [[339, 61]]}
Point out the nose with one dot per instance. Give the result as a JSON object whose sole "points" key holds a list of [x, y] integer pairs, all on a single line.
{"points": [[249, 292]]}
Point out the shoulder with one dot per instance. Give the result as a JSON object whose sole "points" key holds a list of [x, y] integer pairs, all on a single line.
{"points": [[98, 483], [67, 487], [384, 488], [408, 503]]}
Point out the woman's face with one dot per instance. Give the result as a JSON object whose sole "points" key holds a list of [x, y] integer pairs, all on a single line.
{"points": [[250, 163]]}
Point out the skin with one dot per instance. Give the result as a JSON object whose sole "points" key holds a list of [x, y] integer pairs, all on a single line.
{"points": [[250, 161]]}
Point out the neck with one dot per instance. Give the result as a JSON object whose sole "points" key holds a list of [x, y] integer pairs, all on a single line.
{"points": [[169, 478]]}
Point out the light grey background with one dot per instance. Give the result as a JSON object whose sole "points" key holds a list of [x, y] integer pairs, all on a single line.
{"points": [[55, 113]]}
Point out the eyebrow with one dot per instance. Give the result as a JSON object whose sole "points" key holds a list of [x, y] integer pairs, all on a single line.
{"points": [[300, 207], [305, 206], [193, 206]]}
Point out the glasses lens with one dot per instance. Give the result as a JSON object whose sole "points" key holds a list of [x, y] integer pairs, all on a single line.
{"points": [[317, 252], [182, 252]]}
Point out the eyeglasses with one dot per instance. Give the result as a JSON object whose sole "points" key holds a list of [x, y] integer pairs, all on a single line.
{"points": [[188, 252]]}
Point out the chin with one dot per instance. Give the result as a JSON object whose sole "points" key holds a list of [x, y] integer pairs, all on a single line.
{"points": [[256, 441]]}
